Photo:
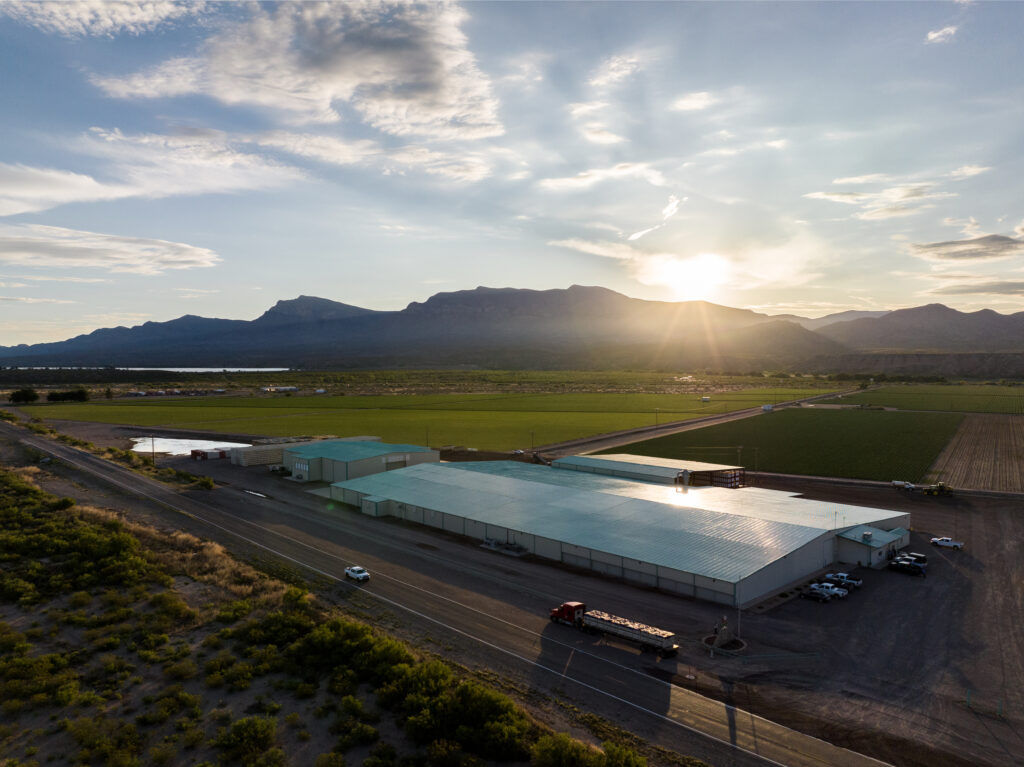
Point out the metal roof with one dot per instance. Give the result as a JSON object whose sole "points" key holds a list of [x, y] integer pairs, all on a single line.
{"points": [[661, 467], [878, 537], [636, 520], [344, 450]]}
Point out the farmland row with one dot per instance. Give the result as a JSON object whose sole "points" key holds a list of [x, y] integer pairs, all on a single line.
{"points": [[987, 452]]}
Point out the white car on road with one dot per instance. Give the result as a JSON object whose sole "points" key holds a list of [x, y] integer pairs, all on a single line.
{"points": [[357, 573], [947, 543]]}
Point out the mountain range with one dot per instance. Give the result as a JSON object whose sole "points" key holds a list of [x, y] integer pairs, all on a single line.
{"points": [[578, 327]]}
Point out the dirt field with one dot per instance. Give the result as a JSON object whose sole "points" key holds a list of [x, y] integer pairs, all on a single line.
{"points": [[987, 452]]}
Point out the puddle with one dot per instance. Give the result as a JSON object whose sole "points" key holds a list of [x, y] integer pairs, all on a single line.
{"points": [[146, 445]]}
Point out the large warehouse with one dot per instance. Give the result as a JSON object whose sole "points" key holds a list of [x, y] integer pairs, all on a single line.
{"points": [[732, 546]]}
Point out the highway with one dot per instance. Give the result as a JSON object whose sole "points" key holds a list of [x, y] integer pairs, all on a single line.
{"points": [[476, 607]]}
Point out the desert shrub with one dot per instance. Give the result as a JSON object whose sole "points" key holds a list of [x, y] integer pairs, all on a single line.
{"points": [[382, 755], [621, 756], [110, 740], [234, 611], [332, 759], [163, 753], [172, 701], [183, 669], [247, 738], [562, 751]]}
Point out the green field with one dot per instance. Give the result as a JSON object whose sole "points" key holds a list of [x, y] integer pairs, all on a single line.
{"points": [[860, 444], [945, 397], [483, 421]]}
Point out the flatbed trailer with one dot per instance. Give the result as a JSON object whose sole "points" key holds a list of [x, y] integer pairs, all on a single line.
{"points": [[597, 621]]}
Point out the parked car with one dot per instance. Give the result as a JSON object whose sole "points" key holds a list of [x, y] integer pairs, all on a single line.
{"points": [[357, 573], [922, 558], [947, 543], [908, 566], [819, 596], [844, 579], [830, 588]]}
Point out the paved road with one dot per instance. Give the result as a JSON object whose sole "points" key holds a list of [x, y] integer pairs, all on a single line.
{"points": [[476, 604]]}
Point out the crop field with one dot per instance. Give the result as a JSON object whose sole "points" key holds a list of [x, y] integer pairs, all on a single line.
{"points": [[945, 397], [859, 444], [483, 421], [986, 453]]}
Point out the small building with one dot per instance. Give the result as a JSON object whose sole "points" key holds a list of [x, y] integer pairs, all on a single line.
{"points": [[869, 546], [665, 471], [271, 452], [336, 460]]}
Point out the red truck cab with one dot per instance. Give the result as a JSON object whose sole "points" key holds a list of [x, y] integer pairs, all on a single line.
{"points": [[569, 612]]}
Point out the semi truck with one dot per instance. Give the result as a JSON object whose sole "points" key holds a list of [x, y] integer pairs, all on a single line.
{"points": [[598, 622]]}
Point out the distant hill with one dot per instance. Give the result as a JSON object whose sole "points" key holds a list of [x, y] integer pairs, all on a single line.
{"points": [[577, 327]]}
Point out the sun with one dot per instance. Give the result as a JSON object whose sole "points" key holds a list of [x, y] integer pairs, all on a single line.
{"points": [[697, 278]]}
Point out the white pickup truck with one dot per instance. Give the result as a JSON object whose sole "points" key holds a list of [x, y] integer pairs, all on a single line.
{"points": [[831, 589], [947, 543]]}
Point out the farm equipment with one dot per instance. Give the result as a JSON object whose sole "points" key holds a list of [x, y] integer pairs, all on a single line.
{"points": [[939, 488], [598, 622]]}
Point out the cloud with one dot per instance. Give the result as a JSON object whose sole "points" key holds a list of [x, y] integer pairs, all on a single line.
{"points": [[27, 300], [148, 165], [995, 288], [871, 178], [24, 189], [588, 178], [614, 71], [405, 68], [55, 247], [458, 167], [84, 280], [892, 202], [941, 35], [694, 102], [13, 285], [988, 247], [82, 18], [189, 293], [599, 134], [583, 108], [970, 226], [670, 209], [967, 171], [732, 151], [318, 147]]}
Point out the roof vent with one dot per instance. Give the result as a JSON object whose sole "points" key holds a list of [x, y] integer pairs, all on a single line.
{"points": [[867, 535]]}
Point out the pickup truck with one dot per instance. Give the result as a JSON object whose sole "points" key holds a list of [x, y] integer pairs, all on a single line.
{"points": [[844, 579], [829, 588], [908, 566], [947, 543]]}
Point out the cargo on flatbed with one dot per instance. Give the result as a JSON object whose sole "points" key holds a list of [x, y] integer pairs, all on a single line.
{"points": [[597, 621]]}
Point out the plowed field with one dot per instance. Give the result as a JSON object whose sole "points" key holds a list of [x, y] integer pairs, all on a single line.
{"points": [[986, 453]]}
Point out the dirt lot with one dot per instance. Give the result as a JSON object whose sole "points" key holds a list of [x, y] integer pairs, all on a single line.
{"points": [[987, 452], [912, 671]]}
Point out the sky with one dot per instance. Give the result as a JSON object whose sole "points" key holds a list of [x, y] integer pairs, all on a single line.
{"points": [[161, 158]]}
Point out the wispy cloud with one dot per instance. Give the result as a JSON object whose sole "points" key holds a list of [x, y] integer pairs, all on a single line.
{"points": [[406, 69], [597, 133], [969, 226], [588, 178], [150, 166], [615, 70], [81, 18], [986, 248], [754, 146], [943, 35], [694, 102], [55, 247], [892, 202], [967, 171], [670, 209], [583, 108], [28, 300], [991, 288], [83, 280], [871, 178], [189, 293]]}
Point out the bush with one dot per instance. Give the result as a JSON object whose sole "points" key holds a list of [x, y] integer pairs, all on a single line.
{"points": [[562, 751], [247, 738], [23, 396]]}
